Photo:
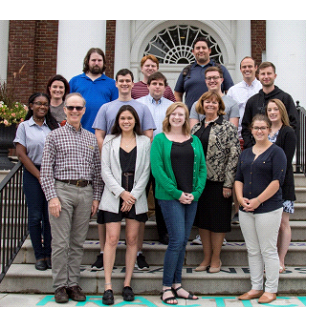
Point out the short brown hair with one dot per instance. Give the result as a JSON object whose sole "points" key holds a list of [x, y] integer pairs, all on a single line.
{"points": [[150, 57], [266, 64], [157, 76], [214, 69], [210, 95], [166, 124], [261, 117]]}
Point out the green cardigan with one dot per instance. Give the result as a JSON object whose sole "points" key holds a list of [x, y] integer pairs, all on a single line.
{"points": [[166, 184]]}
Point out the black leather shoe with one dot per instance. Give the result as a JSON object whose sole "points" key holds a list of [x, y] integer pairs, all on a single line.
{"points": [[40, 264], [108, 297], [75, 293], [60, 295], [128, 294], [164, 239], [48, 262]]}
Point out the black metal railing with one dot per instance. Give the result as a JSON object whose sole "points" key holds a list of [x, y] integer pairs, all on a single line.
{"points": [[301, 141], [13, 217]]}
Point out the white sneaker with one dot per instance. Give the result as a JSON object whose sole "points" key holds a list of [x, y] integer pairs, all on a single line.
{"points": [[197, 240], [224, 242]]}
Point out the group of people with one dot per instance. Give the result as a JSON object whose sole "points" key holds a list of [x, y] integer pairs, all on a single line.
{"points": [[95, 146]]}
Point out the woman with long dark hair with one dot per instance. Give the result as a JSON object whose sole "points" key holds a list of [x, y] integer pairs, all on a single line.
{"points": [[57, 88], [125, 172], [29, 142]]}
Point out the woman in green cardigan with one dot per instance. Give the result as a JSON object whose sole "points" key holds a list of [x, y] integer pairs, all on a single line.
{"points": [[179, 168]]}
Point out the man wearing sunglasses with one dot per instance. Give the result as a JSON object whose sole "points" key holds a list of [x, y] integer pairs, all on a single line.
{"points": [[71, 181]]}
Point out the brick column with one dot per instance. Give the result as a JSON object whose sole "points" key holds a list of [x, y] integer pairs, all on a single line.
{"points": [[110, 48], [258, 39]]}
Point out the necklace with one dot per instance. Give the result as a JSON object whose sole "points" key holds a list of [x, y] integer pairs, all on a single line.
{"points": [[210, 121], [127, 145]]}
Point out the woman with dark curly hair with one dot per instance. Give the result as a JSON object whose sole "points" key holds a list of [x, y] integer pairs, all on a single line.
{"points": [[29, 142]]}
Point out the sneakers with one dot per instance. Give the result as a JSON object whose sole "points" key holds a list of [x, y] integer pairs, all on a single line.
{"points": [[98, 264], [197, 240], [108, 298], [224, 242], [235, 219], [141, 263]]}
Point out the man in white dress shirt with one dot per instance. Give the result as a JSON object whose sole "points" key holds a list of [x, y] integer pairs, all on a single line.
{"points": [[241, 92]]}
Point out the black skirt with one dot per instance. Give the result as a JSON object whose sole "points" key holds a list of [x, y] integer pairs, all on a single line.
{"points": [[214, 210]]}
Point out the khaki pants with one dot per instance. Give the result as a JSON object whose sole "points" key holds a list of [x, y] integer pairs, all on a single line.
{"points": [[260, 232], [69, 232]]}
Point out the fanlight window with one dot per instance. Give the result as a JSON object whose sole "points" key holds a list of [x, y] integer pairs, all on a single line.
{"points": [[174, 45]]}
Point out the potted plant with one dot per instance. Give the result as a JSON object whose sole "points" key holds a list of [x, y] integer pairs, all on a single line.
{"points": [[11, 114]]}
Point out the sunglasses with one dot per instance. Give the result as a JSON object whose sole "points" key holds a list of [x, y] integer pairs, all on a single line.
{"points": [[71, 108]]}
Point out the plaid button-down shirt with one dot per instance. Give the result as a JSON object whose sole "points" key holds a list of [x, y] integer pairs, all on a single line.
{"points": [[70, 154]]}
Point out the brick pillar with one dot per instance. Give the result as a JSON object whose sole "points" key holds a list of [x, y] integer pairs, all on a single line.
{"points": [[258, 39], [110, 48], [33, 52]]}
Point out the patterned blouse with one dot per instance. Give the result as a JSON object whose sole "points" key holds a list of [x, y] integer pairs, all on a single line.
{"points": [[223, 150]]}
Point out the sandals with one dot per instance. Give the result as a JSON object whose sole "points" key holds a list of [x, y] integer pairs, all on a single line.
{"points": [[282, 270], [191, 296], [169, 298]]}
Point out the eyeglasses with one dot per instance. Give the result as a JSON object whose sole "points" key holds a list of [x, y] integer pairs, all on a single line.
{"points": [[71, 108], [263, 128], [41, 104], [215, 78]]}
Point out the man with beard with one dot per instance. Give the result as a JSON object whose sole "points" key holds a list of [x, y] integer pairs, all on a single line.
{"points": [[94, 86], [192, 78], [256, 104]]}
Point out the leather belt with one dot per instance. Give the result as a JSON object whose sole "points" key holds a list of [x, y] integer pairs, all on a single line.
{"points": [[76, 182]]}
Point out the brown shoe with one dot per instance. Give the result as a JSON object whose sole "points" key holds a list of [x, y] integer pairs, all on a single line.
{"points": [[267, 298], [60, 295], [75, 293], [247, 296]]}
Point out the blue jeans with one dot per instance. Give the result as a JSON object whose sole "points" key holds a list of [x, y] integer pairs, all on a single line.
{"points": [[38, 216], [178, 218]]}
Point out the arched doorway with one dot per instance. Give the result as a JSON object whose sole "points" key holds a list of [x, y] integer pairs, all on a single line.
{"points": [[172, 41]]}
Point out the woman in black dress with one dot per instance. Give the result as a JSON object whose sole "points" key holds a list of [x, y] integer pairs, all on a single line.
{"points": [[222, 149]]}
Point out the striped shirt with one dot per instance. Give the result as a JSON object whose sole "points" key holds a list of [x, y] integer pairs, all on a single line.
{"points": [[70, 154]]}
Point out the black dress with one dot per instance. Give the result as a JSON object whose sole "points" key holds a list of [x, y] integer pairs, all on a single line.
{"points": [[214, 210], [128, 164]]}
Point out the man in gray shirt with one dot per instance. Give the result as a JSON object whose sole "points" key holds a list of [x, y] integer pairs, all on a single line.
{"points": [[214, 79]]}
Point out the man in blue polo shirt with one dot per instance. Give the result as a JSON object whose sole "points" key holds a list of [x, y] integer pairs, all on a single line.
{"points": [[192, 78], [94, 86]]}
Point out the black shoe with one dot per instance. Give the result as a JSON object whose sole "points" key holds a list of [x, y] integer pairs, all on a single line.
{"points": [[128, 294], [98, 264], [235, 219], [40, 264], [141, 263], [108, 297], [48, 262], [164, 239]]}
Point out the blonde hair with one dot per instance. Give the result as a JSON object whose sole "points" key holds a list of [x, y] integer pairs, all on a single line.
{"points": [[210, 95], [281, 107], [166, 124]]}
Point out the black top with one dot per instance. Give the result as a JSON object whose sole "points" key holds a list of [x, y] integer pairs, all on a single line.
{"points": [[203, 135], [182, 160], [128, 164], [257, 174]]}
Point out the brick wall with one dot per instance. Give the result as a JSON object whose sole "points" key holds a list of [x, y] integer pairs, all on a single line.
{"points": [[110, 48], [32, 56], [258, 39]]}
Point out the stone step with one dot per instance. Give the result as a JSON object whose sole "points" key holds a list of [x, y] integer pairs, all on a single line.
{"points": [[24, 278], [233, 253], [298, 229]]}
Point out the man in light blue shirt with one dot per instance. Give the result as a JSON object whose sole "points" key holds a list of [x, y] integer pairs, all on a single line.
{"points": [[157, 105], [155, 101]]}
